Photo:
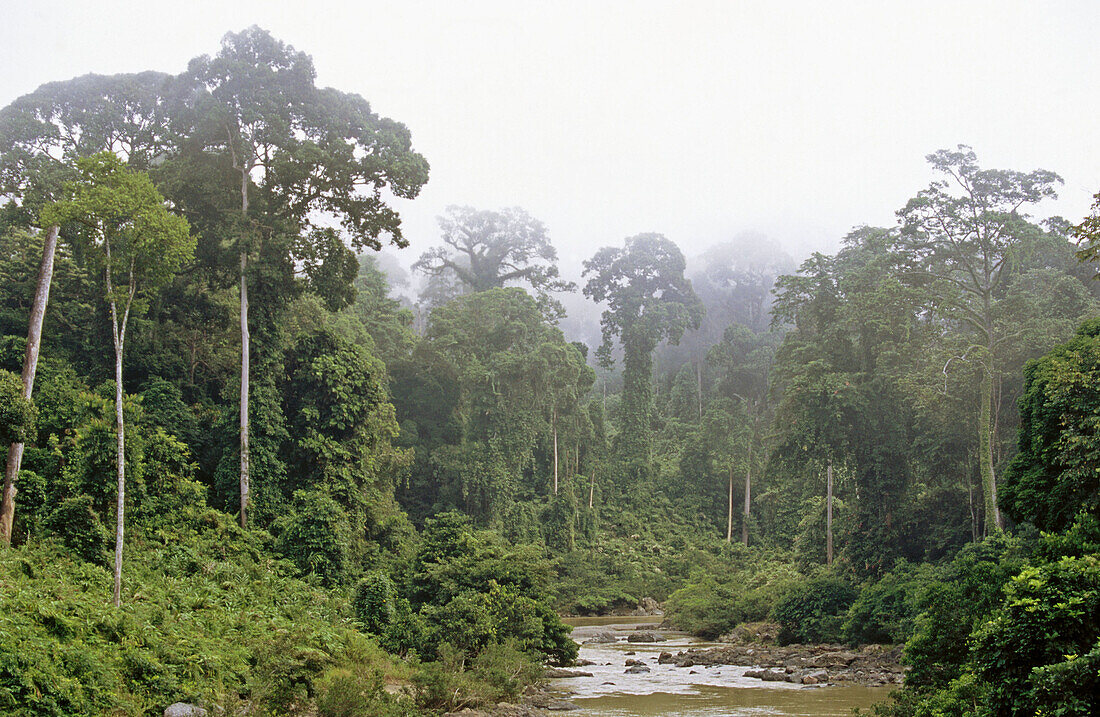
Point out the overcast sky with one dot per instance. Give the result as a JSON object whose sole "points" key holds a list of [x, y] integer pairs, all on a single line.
{"points": [[699, 119]]}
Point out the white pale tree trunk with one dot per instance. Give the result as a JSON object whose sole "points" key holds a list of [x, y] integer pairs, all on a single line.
{"points": [[118, 334], [829, 514], [30, 366]]}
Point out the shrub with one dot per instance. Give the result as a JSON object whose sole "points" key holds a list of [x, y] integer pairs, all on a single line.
{"points": [[80, 530], [971, 588], [812, 611], [472, 621], [886, 610], [374, 603], [316, 537], [1049, 621], [356, 692], [446, 686]]}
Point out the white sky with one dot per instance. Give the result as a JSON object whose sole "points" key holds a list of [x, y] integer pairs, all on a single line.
{"points": [[695, 119]]}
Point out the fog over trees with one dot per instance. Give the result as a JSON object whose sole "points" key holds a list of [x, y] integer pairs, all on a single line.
{"points": [[343, 473]]}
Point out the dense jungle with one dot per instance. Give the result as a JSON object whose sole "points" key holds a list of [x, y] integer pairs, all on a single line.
{"points": [[256, 466]]}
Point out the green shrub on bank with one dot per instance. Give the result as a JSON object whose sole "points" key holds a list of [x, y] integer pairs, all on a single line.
{"points": [[454, 682], [886, 610], [814, 611], [710, 605]]}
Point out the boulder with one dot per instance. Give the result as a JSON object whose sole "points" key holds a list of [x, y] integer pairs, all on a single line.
{"points": [[548, 702], [816, 677], [555, 672], [633, 663], [645, 637], [836, 659], [665, 658], [601, 637], [748, 633], [650, 606], [636, 669], [768, 675], [183, 709], [561, 706]]}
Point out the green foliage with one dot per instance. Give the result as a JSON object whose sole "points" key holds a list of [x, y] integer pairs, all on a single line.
{"points": [[123, 228], [472, 591], [498, 673], [374, 602], [1054, 475], [80, 530], [357, 691], [518, 382], [1050, 618], [18, 415], [217, 622], [886, 610], [711, 605], [316, 537], [970, 588], [649, 300], [813, 611]]}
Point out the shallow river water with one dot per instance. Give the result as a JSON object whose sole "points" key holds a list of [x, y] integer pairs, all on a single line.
{"points": [[671, 691]]}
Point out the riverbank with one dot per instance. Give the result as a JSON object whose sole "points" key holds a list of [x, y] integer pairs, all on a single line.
{"points": [[801, 664]]}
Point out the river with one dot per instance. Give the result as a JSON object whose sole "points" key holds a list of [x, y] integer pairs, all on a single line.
{"points": [[670, 691]]}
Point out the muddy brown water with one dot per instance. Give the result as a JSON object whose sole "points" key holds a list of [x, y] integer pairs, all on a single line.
{"points": [[670, 691]]}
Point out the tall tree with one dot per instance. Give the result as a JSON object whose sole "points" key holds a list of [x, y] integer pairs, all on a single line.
{"points": [[648, 301], [962, 233], [125, 230], [744, 361], [854, 331], [303, 151], [41, 136], [487, 249]]}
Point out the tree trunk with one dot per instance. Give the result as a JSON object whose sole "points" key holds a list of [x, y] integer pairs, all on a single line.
{"points": [[118, 333], [121, 460], [985, 451], [829, 514], [244, 248], [591, 488], [636, 409], [554, 425], [244, 391], [748, 503], [729, 513], [699, 385], [30, 365]]}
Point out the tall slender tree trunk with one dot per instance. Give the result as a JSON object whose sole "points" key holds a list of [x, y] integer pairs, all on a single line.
{"points": [[829, 514], [30, 366], [729, 513], [591, 488], [993, 519], [244, 352], [244, 392], [118, 333], [699, 385], [554, 425], [748, 504], [121, 460]]}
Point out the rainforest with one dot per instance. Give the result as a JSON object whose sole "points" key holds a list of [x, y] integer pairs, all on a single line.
{"points": [[261, 460]]}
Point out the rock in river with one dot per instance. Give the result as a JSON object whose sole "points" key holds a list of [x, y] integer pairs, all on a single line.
{"points": [[601, 637]]}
